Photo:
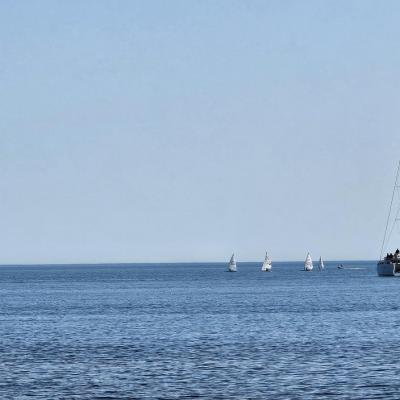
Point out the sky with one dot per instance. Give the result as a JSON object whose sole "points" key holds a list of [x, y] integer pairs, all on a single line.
{"points": [[149, 131]]}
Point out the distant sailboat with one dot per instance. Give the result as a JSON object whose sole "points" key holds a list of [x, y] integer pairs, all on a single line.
{"points": [[308, 265], [267, 264], [321, 265], [232, 264]]}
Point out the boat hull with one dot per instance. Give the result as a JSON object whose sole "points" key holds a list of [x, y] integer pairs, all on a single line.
{"points": [[308, 269], [387, 268]]}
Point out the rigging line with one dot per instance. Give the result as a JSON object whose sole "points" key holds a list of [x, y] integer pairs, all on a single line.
{"points": [[395, 220], [391, 231], [390, 210]]}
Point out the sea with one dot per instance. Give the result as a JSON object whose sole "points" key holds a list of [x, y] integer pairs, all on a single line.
{"points": [[196, 331]]}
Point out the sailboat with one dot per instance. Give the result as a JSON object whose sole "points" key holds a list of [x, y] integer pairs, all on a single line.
{"points": [[321, 265], [267, 264], [232, 264], [308, 265], [390, 265]]}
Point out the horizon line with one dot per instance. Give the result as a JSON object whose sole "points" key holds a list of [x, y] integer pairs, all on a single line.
{"points": [[166, 262]]}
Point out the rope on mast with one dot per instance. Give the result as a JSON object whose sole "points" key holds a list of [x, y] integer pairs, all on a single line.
{"points": [[390, 210]]}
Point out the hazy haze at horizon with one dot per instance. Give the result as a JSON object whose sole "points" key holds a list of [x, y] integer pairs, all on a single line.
{"points": [[185, 130]]}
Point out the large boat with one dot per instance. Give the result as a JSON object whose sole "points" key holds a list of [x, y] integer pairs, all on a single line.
{"points": [[390, 264], [389, 267], [267, 264], [308, 264], [232, 264]]}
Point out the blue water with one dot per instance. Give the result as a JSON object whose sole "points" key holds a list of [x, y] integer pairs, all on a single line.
{"points": [[177, 331]]}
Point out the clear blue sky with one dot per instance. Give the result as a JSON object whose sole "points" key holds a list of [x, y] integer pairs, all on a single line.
{"points": [[185, 130]]}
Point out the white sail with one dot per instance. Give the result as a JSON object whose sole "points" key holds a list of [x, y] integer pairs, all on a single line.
{"points": [[321, 265], [232, 264], [308, 264], [267, 264]]}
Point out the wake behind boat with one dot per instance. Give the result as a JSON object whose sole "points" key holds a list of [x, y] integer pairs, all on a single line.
{"points": [[308, 264], [232, 264], [267, 264]]}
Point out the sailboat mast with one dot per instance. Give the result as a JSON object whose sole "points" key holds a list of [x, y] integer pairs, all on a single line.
{"points": [[390, 210]]}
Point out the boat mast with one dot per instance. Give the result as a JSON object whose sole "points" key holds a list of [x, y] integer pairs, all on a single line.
{"points": [[390, 210]]}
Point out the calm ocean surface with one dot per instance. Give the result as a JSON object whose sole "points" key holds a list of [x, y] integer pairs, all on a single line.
{"points": [[173, 331]]}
